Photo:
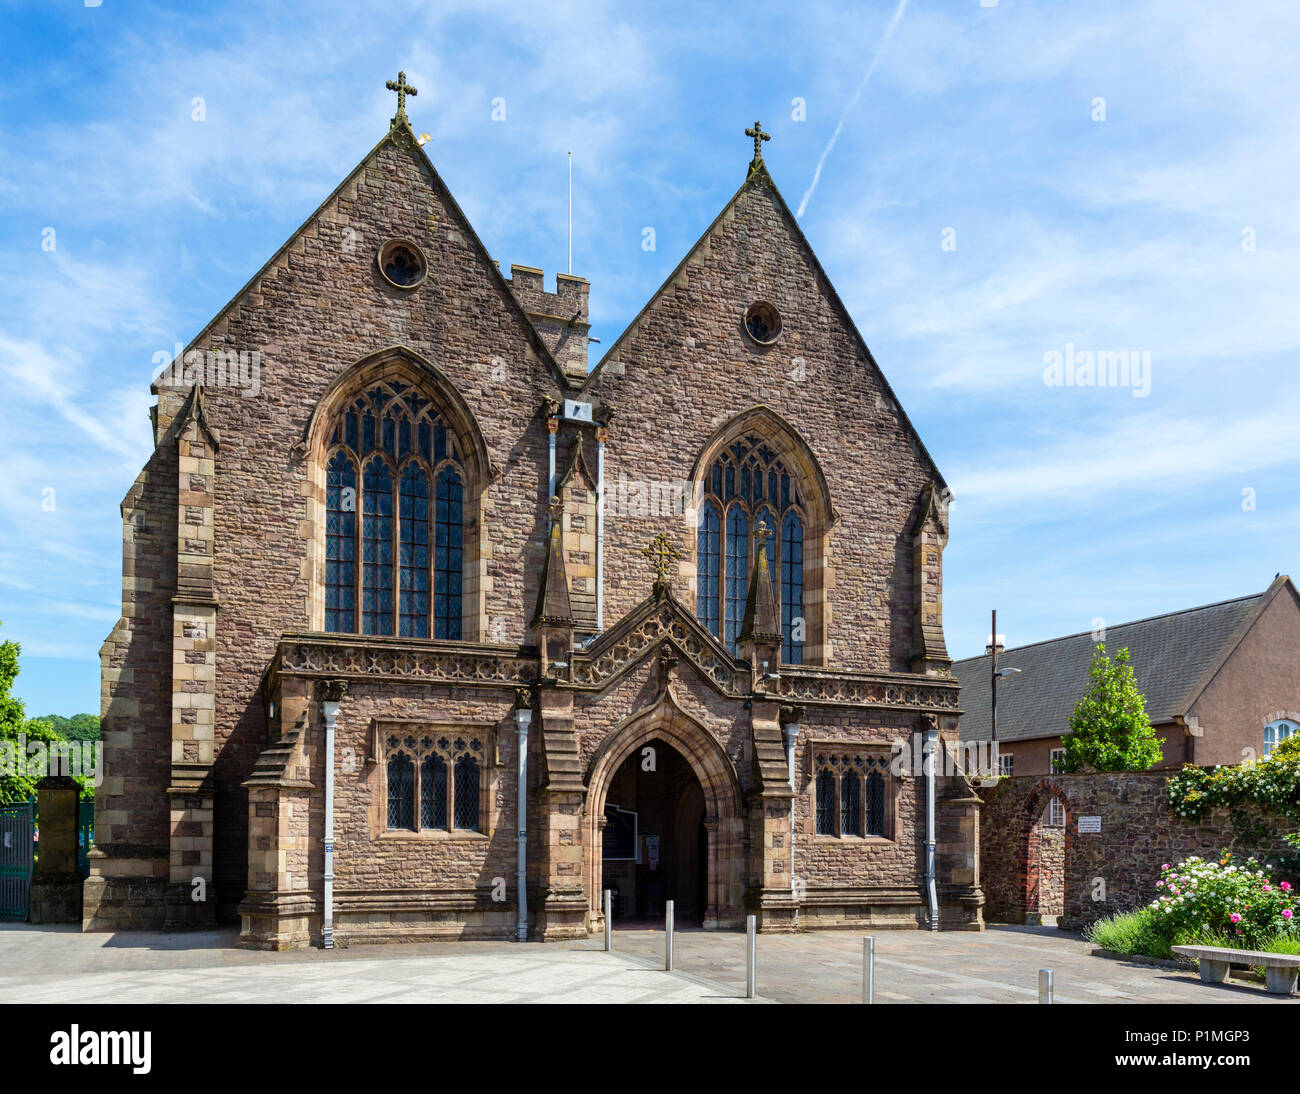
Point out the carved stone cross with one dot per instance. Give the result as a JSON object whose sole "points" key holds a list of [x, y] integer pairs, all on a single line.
{"points": [[403, 89], [761, 534], [662, 554], [759, 137]]}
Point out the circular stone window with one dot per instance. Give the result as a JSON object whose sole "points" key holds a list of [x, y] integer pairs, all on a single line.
{"points": [[402, 263], [763, 323]]}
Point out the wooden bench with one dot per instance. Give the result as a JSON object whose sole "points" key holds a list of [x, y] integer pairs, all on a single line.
{"points": [[1279, 968]]}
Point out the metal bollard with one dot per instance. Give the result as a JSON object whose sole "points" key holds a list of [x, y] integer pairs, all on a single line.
{"points": [[668, 937], [751, 927], [609, 920], [1046, 986], [868, 969]]}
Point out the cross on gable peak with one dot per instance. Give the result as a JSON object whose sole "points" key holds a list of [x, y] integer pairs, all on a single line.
{"points": [[759, 137], [403, 89]]}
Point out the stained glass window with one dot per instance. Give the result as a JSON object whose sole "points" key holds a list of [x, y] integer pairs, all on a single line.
{"points": [[750, 482], [340, 544], [793, 624], [403, 557], [737, 575], [706, 574]]}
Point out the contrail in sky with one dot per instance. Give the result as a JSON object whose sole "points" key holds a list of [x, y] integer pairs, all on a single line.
{"points": [[889, 30]]}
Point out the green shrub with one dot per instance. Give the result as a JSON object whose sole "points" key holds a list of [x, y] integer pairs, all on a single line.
{"points": [[1139, 932], [1281, 944], [1240, 903]]}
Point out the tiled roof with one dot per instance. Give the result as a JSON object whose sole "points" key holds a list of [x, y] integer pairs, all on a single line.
{"points": [[1170, 653]]}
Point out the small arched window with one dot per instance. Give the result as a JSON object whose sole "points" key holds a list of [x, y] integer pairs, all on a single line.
{"points": [[401, 791], [403, 559], [826, 803], [1278, 731], [875, 804], [467, 793], [850, 804], [433, 792], [750, 482]]}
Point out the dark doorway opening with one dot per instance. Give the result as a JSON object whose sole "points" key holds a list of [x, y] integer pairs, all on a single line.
{"points": [[655, 843]]}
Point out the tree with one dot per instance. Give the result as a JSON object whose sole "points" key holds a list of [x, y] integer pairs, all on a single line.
{"points": [[1109, 729], [17, 732]]}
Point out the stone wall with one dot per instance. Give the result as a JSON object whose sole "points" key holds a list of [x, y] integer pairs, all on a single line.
{"points": [[1112, 871]]}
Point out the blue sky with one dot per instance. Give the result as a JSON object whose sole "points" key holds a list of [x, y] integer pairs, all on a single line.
{"points": [[1171, 227]]}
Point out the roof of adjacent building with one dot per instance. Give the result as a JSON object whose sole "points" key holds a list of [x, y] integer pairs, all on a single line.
{"points": [[1172, 655]]}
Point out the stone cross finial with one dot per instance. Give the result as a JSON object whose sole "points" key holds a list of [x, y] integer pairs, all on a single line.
{"points": [[403, 89], [759, 137], [761, 534], [662, 554]]}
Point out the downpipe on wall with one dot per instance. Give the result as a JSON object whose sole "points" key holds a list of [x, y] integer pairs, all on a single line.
{"points": [[329, 709], [523, 718], [931, 739]]}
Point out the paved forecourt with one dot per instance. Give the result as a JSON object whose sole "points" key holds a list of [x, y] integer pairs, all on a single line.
{"points": [[62, 965]]}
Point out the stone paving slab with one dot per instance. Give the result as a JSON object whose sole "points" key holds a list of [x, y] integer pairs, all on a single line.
{"points": [[1000, 965]]}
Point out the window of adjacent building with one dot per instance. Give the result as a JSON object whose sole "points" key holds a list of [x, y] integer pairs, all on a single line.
{"points": [[1056, 813], [1277, 732], [1057, 757], [748, 483], [852, 794], [1006, 763], [394, 523], [442, 773]]}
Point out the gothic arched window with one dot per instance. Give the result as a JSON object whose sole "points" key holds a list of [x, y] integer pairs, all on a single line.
{"points": [[875, 805], [433, 792], [850, 804], [750, 482], [401, 791], [341, 544], [826, 802], [467, 793], [402, 560]]}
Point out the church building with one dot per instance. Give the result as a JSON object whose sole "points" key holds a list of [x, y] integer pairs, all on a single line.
{"points": [[432, 630]]}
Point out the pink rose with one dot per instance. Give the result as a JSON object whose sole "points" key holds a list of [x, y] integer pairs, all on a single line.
{"points": [[1286, 913], [1286, 886], [1235, 917], [1165, 866]]}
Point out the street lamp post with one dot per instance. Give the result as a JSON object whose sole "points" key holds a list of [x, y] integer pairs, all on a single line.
{"points": [[993, 647]]}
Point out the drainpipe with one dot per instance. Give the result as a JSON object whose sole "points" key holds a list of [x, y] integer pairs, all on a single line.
{"points": [[600, 527], [931, 738], [522, 720], [791, 731], [329, 709], [552, 427]]}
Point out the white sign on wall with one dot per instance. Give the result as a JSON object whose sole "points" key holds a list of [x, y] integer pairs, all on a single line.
{"points": [[1089, 824]]}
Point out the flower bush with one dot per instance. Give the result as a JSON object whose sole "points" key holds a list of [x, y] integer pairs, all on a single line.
{"points": [[1199, 898], [1272, 783]]}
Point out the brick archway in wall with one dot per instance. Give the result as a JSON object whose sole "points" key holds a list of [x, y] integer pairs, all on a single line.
{"points": [[1042, 853], [723, 904]]}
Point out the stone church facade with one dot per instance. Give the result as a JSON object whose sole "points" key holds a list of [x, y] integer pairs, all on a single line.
{"points": [[437, 610]]}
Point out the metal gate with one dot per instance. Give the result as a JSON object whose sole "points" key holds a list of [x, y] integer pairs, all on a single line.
{"points": [[85, 837], [17, 831]]}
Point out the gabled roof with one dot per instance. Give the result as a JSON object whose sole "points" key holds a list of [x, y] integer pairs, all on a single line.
{"points": [[758, 177], [1174, 657], [399, 131]]}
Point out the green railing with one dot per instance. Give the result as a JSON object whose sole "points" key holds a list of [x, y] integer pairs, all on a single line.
{"points": [[17, 857]]}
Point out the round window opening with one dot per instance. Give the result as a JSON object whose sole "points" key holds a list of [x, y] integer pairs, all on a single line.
{"points": [[763, 323], [402, 263]]}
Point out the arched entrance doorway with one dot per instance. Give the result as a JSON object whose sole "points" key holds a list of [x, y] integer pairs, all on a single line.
{"points": [[655, 845], [663, 823], [1043, 850]]}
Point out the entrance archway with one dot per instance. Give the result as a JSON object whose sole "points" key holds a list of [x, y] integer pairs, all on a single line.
{"points": [[1043, 840], [663, 775]]}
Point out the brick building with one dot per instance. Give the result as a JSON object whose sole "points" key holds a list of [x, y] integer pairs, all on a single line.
{"points": [[400, 562], [1221, 682]]}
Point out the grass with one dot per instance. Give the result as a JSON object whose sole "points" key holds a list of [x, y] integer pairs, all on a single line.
{"points": [[1130, 933]]}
